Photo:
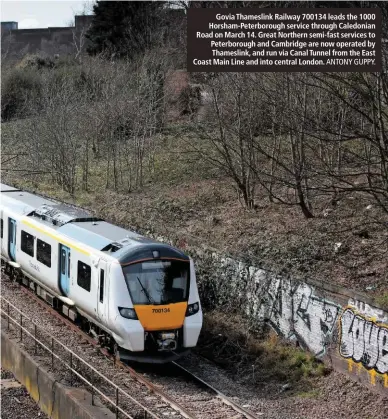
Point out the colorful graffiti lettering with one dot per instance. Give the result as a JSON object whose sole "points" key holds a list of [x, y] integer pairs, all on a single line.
{"points": [[364, 341]]}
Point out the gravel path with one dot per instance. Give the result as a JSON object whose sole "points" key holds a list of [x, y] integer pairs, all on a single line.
{"points": [[15, 400], [333, 396]]}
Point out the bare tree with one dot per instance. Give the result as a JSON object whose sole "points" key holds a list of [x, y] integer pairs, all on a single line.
{"points": [[229, 131], [79, 32]]}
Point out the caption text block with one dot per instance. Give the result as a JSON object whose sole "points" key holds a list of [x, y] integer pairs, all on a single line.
{"points": [[281, 39]]}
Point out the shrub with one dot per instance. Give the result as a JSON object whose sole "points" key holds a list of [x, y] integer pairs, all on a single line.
{"points": [[35, 61], [20, 93]]}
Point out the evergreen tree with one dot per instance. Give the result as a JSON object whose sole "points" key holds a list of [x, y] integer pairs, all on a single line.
{"points": [[124, 28]]}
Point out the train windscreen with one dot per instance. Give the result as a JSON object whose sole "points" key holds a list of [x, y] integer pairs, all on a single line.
{"points": [[158, 282]]}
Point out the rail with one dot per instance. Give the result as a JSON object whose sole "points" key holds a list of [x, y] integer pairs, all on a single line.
{"points": [[221, 396], [20, 321]]}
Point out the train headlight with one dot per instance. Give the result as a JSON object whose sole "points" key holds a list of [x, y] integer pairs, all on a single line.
{"points": [[192, 309], [128, 313], [165, 336]]}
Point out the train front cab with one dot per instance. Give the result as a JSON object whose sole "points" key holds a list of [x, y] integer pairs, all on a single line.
{"points": [[166, 312]]}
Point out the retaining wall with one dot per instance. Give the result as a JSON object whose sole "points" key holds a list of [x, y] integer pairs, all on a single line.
{"points": [[53, 398], [339, 326]]}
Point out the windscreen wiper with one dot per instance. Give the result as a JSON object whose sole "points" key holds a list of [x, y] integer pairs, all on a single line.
{"points": [[150, 300]]}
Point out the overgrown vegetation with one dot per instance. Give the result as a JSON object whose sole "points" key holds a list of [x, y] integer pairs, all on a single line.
{"points": [[294, 147], [21, 90], [81, 116], [259, 357], [275, 169], [287, 144], [277, 131]]}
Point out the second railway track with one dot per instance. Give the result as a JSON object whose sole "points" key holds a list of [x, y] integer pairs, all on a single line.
{"points": [[183, 394]]}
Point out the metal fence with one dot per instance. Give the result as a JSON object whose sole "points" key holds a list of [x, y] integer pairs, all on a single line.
{"points": [[30, 333]]}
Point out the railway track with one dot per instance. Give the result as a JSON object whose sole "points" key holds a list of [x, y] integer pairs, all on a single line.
{"points": [[98, 384], [226, 400], [182, 394]]}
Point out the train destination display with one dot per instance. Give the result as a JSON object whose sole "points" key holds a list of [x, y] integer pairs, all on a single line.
{"points": [[257, 39]]}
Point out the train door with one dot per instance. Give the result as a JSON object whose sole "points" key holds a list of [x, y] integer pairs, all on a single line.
{"points": [[64, 266], [2, 233], [12, 238], [102, 290]]}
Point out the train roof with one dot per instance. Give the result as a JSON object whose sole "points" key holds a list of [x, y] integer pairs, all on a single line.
{"points": [[102, 235], [81, 225], [6, 188], [21, 202]]}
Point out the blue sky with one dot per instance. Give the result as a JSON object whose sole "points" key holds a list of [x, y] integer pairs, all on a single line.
{"points": [[42, 13]]}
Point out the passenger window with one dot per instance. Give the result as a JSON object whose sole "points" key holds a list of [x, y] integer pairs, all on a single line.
{"points": [[27, 243], [1, 228], [84, 276], [43, 252], [102, 277]]}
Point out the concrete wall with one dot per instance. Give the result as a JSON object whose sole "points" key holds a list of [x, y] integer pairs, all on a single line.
{"points": [[63, 41], [53, 398], [339, 326]]}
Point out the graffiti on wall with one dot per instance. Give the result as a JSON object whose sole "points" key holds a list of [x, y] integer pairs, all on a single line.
{"points": [[364, 341], [314, 319], [358, 332], [299, 314], [377, 314]]}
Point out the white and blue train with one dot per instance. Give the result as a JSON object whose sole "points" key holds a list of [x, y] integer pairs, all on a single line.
{"points": [[137, 296]]}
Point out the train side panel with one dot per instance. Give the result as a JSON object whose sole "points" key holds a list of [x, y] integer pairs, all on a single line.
{"points": [[41, 260], [83, 282]]}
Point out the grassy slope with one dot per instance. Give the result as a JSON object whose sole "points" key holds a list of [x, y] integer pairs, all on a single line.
{"points": [[186, 196]]}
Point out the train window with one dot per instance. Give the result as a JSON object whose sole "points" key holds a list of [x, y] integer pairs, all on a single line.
{"points": [[1, 228], [43, 252], [63, 262], [27, 243], [102, 277], [84, 276]]}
